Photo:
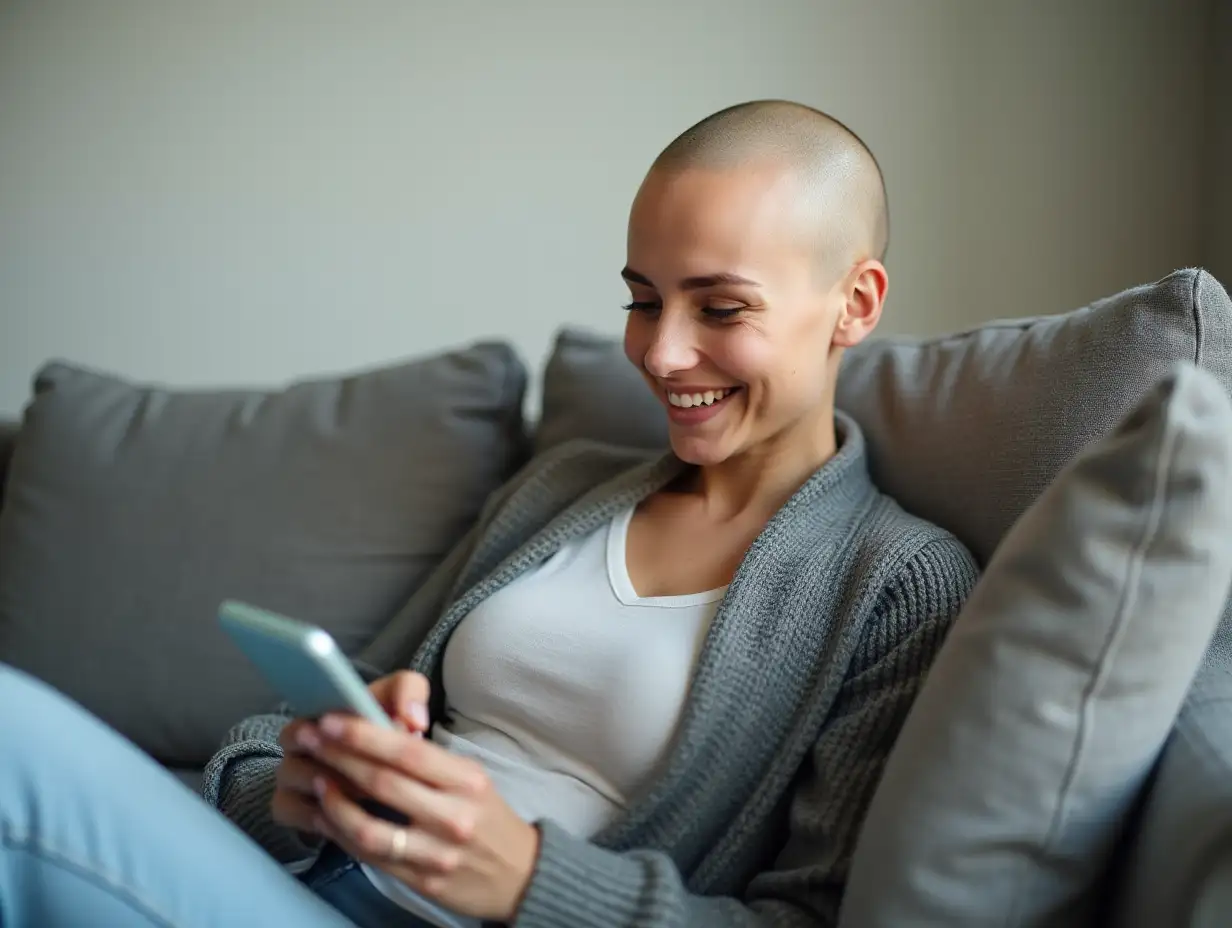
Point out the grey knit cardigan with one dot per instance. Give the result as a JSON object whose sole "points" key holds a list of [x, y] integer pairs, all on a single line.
{"points": [[811, 663]]}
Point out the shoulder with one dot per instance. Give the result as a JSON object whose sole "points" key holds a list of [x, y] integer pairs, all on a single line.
{"points": [[920, 577], [892, 572], [913, 558], [882, 544], [907, 546], [857, 550]]}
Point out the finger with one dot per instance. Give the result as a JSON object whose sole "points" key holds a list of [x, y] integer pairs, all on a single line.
{"points": [[297, 774], [417, 757], [367, 836], [442, 813], [295, 811], [404, 695], [298, 736]]}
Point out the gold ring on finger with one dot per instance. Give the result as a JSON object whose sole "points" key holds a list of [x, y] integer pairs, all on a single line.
{"points": [[397, 849]]}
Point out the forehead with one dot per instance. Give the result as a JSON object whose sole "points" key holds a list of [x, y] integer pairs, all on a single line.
{"points": [[727, 219]]}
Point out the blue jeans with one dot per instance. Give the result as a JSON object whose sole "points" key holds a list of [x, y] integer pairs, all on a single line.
{"points": [[94, 833]]}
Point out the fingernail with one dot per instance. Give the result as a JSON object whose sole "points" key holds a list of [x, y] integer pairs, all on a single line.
{"points": [[332, 725], [318, 786], [419, 715], [307, 739]]}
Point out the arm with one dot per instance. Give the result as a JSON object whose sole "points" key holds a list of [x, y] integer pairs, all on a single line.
{"points": [[578, 885], [239, 782], [239, 779]]}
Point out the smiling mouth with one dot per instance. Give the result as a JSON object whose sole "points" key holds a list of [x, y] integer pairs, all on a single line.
{"points": [[705, 398]]}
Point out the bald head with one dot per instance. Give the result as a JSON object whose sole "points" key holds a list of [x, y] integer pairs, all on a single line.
{"points": [[843, 198]]}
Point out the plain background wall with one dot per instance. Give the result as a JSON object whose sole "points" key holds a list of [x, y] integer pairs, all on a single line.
{"points": [[1218, 212], [242, 193]]}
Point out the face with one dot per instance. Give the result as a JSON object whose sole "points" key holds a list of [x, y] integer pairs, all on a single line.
{"points": [[735, 322]]}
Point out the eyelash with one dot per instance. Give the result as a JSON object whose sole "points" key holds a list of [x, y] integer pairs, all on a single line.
{"points": [[713, 313]]}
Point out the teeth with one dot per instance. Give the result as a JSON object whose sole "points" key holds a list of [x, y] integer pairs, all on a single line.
{"points": [[688, 400]]}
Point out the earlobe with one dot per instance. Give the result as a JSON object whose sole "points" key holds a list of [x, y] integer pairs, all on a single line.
{"points": [[848, 334]]}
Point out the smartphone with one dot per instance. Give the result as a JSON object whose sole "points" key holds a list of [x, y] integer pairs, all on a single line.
{"points": [[301, 661]]}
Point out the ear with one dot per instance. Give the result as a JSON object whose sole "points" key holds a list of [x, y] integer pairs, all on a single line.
{"points": [[863, 296]]}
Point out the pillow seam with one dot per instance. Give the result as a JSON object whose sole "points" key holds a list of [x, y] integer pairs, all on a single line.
{"points": [[1199, 328], [1164, 460]]}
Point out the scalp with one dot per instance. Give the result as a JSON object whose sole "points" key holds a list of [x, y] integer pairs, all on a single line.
{"points": [[843, 194]]}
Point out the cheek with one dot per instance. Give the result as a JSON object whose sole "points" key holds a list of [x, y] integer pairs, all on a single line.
{"points": [[743, 355], [779, 371]]}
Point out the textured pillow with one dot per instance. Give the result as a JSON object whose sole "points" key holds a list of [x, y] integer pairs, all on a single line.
{"points": [[1048, 705], [590, 390], [964, 430], [131, 512], [989, 416]]}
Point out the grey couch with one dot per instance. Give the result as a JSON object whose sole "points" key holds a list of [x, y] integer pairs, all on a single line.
{"points": [[965, 430]]}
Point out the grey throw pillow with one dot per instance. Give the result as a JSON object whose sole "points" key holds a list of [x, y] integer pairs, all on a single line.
{"points": [[968, 429], [591, 391], [1052, 697], [964, 430], [132, 511]]}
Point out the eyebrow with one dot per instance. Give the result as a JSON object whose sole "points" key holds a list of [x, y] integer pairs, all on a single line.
{"points": [[692, 283]]}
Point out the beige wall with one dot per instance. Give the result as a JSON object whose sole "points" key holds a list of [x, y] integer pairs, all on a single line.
{"points": [[1218, 208], [235, 192]]}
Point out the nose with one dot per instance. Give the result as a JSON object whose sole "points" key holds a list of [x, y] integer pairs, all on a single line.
{"points": [[672, 347]]}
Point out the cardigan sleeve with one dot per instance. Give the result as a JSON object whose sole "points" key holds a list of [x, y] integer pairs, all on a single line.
{"points": [[239, 778]]}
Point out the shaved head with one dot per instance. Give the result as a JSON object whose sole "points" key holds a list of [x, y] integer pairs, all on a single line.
{"points": [[753, 262], [843, 197]]}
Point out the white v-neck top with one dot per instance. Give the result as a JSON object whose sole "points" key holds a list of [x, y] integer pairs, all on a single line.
{"points": [[567, 686]]}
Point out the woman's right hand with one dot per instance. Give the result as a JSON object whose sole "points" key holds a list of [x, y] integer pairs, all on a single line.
{"points": [[295, 804], [403, 695]]}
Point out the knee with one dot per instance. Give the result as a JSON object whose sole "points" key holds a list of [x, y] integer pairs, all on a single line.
{"points": [[46, 736], [28, 705]]}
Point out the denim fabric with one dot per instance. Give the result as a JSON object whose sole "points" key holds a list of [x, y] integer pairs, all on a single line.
{"points": [[94, 833], [338, 880]]}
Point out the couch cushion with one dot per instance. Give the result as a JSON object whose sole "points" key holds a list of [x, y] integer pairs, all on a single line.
{"points": [[964, 430], [133, 511], [1179, 870], [190, 777], [8, 438], [591, 391], [1048, 705]]}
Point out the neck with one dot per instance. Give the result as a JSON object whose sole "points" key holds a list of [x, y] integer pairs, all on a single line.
{"points": [[761, 479]]}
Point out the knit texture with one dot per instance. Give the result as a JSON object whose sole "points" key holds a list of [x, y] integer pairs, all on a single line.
{"points": [[812, 661]]}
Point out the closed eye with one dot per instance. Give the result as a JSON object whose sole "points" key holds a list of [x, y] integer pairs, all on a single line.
{"points": [[713, 312]]}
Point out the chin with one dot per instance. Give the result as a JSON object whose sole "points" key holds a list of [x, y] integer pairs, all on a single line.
{"points": [[698, 451]]}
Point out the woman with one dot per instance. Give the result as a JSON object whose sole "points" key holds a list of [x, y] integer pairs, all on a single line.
{"points": [[639, 693]]}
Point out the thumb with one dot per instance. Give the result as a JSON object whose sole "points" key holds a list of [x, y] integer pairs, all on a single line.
{"points": [[405, 697]]}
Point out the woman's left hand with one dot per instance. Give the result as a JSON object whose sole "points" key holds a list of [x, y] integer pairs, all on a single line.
{"points": [[465, 848]]}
